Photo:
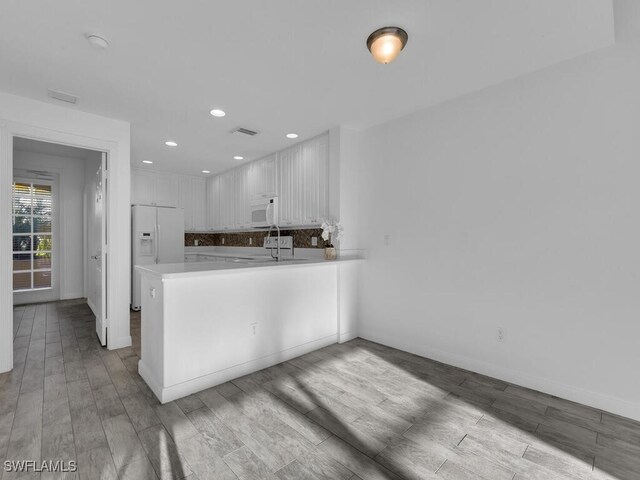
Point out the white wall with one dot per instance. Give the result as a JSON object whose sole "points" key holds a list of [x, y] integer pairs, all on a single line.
{"points": [[44, 121], [516, 207], [71, 218]]}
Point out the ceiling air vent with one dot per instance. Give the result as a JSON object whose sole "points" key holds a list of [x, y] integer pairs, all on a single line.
{"points": [[63, 97], [245, 131]]}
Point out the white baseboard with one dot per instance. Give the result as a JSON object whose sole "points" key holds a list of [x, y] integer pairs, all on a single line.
{"points": [[183, 389], [71, 296], [91, 306], [345, 337], [115, 343], [581, 395]]}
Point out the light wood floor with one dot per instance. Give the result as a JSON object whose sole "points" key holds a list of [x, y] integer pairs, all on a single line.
{"points": [[357, 410]]}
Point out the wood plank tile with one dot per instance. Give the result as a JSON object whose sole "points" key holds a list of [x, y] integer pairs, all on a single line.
{"points": [[189, 404], [142, 414], [87, 429], [347, 432], [214, 430], [123, 441], [203, 459], [409, 460], [247, 466], [163, 454], [356, 461], [97, 463], [175, 421], [137, 470]]}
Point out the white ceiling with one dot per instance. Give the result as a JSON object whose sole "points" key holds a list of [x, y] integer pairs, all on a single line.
{"points": [[276, 66]]}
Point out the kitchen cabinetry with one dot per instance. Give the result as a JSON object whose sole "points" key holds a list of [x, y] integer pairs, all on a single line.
{"points": [[183, 191], [242, 197], [142, 188], [263, 174], [213, 203], [315, 185], [290, 182], [298, 176], [199, 210], [303, 172], [227, 200]]}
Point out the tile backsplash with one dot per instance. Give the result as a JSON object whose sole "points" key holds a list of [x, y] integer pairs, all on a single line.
{"points": [[301, 238]]}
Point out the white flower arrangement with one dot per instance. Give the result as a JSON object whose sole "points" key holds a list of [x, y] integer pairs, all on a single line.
{"points": [[331, 231]]}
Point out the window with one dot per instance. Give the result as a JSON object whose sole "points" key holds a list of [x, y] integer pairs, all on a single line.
{"points": [[32, 236]]}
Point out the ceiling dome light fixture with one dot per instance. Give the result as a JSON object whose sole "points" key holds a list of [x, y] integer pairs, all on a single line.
{"points": [[206, 171], [291, 135], [97, 41], [148, 162], [170, 143], [385, 44], [216, 112], [238, 157]]}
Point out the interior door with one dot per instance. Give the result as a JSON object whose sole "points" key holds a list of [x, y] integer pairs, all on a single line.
{"points": [[99, 256]]}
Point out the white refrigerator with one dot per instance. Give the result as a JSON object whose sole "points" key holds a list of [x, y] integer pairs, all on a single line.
{"points": [[157, 235]]}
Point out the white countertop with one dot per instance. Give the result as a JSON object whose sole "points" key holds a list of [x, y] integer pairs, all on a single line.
{"points": [[231, 263]]}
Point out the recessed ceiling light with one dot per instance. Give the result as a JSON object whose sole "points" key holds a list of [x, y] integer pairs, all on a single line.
{"points": [[291, 135], [97, 41], [206, 171], [148, 162], [170, 143], [385, 44], [238, 157], [216, 112]]}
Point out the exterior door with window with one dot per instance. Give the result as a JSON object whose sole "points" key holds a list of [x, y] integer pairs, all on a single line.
{"points": [[34, 242]]}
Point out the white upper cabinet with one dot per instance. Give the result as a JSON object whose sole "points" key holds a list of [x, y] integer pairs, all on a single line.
{"points": [[299, 176], [303, 173], [290, 181], [315, 191], [167, 190], [213, 203], [199, 209], [227, 200], [242, 197], [263, 177], [170, 190], [142, 188], [186, 201]]}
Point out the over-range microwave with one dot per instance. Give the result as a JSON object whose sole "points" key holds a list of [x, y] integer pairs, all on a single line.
{"points": [[264, 212]]}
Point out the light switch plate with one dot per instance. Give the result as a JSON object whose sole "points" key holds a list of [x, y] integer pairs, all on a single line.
{"points": [[314, 241]]}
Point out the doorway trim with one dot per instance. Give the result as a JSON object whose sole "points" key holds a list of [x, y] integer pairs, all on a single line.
{"points": [[9, 130]]}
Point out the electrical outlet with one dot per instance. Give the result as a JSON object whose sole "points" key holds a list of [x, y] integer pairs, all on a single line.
{"points": [[254, 328], [195, 242], [500, 335], [250, 241], [222, 240], [314, 241]]}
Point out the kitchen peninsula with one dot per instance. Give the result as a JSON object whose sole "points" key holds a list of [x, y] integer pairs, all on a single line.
{"points": [[206, 323]]}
